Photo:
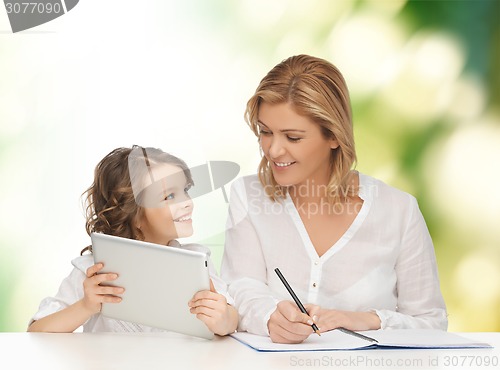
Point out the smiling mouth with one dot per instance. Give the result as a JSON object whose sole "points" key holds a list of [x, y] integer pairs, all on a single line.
{"points": [[283, 164], [183, 218]]}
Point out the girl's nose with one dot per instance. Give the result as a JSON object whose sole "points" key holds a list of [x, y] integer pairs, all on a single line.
{"points": [[187, 202]]}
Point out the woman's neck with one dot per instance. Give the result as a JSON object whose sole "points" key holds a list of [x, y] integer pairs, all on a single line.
{"points": [[309, 192], [312, 191]]}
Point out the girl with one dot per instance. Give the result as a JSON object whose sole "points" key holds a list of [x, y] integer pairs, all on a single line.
{"points": [[138, 193], [357, 250]]}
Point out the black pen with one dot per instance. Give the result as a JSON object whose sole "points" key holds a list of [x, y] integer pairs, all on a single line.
{"points": [[347, 331], [302, 308], [295, 298]]}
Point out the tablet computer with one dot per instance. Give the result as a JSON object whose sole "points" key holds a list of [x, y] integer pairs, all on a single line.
{"points": [[159, 282]]}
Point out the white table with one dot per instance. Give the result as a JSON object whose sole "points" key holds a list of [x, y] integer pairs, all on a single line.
{"points": [[140, 351]]}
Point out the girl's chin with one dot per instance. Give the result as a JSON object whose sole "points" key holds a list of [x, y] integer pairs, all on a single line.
{"points": [[184, 232]]}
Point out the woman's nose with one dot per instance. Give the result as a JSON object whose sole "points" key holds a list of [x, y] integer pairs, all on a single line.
{"points": [[276, 148]]}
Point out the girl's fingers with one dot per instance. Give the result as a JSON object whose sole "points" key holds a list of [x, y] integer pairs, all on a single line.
{"points": [[210, 304], [101, 278], [92, 270], [109, 290], [212, 287], [111, 299], [204, 310], [92, 273], [207, 295]]}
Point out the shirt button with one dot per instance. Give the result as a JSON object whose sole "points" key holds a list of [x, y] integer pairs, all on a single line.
{"points": [[314, 285], [316, 263]]}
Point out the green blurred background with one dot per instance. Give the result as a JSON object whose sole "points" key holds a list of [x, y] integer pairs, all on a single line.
{"points": [[425, 89]]}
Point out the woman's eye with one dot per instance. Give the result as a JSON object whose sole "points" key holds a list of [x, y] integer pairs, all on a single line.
{"points": [[264, 132], [294, 139]]}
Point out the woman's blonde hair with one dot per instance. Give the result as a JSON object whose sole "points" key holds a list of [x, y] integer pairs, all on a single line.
{"points": [[109, 203], [315, 89]]}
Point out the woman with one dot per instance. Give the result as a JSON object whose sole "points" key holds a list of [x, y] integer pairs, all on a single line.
{"points": [[356, 250]]}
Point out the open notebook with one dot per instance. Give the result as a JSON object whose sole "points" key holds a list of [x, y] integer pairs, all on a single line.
{"points": [[338, 340]]}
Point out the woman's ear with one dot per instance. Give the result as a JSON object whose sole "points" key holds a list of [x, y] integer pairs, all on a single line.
{"points": [[334, 144]]}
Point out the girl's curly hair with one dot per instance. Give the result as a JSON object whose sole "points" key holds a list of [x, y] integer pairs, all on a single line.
{"points": [[109, 203]]}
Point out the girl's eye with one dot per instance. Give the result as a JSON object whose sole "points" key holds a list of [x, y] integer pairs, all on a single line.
{"points": [[170, 196]]}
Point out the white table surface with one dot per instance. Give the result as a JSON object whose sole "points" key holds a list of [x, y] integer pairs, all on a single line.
{"points": [[174, 351]]}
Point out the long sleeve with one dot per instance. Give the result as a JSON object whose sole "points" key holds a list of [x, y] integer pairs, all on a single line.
{"points": [[244, 267], [70, 290], [419, 303]]}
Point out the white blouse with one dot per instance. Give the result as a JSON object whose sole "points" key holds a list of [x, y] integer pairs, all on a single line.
{"points": [[71, 291], [384, 262]]}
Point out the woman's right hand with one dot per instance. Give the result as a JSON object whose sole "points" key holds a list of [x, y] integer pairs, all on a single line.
{"points": [[94, 293], [288, 324]]}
